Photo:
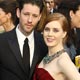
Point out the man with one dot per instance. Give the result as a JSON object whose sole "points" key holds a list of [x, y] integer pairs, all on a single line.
{"points": [[75, 22], [51, 5], [72, 11], [11, 43]]}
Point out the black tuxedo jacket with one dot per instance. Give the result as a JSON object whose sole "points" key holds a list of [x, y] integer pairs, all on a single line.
{"points": [[78, 41], [11, 67]]}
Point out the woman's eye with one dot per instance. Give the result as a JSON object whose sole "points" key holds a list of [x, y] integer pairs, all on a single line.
{"points": [[55, 30], [46, 29]]}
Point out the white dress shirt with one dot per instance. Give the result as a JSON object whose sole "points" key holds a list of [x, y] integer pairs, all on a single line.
{"points": [[21, 37]]}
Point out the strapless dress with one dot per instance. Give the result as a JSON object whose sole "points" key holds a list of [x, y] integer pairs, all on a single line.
{"points": [[42, 74]]}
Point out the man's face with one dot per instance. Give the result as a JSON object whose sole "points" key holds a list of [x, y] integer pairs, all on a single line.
{"points": [[50, 4], [28, 18], [75, 19]]}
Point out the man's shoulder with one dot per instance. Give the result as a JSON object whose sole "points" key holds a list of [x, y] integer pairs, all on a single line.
{"points": [[38, 35]]}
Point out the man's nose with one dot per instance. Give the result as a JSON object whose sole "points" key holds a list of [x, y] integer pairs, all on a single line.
{"points": [[30, 19]]}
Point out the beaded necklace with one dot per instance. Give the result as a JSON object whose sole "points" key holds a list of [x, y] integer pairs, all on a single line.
{"points": [[47, 59]]}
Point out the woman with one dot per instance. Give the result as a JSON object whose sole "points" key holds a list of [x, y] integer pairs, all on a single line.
{"points": [[8, 14], [56, 65]]}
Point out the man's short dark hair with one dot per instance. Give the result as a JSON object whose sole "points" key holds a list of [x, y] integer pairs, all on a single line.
{"points": [[39, 3]]}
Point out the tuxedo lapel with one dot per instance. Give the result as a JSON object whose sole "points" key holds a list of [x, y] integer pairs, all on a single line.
{"points": [[35, 60], [13, 43], [36, 54]]}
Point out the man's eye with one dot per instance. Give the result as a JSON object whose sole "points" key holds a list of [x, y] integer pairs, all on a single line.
{"points": [[52, 2], [26, 14], [35, 16], [48, 2]]}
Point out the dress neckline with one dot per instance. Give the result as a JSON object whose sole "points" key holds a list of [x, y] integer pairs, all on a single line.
{"points": [[38, 68]]}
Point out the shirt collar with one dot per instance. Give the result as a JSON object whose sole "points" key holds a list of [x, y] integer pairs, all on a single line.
{"points": [[22, 37]]}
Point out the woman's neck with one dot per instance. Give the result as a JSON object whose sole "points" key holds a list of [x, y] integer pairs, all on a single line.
{"points": [[53, 50], [8, 26]]}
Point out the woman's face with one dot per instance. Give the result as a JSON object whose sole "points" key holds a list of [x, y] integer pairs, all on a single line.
{"points": [[3, 17], [53, 34]]}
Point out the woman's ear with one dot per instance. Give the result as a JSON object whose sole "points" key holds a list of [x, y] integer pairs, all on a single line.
{"points": [[42, 32], [64, 34]]}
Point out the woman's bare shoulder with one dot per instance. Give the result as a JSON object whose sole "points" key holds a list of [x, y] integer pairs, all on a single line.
{"points": [[64, 60]]}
